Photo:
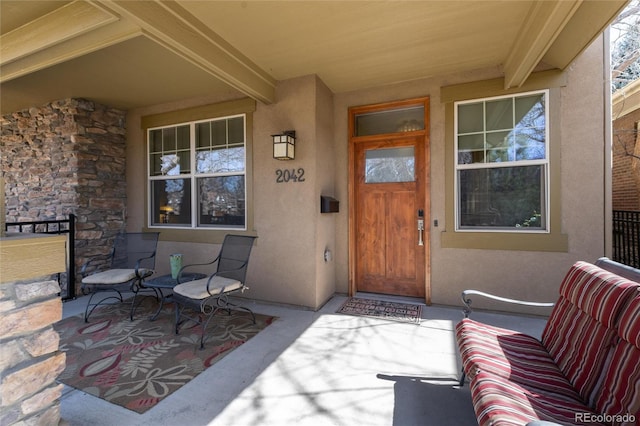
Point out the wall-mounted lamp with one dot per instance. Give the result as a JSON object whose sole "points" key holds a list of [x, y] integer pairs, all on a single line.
{"points": [[284, 145]]}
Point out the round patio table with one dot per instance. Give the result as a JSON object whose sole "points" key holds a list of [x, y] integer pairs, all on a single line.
{"points": [[167, 282]]}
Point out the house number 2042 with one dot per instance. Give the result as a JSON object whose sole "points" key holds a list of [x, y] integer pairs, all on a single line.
{"points": [[286, 175]]}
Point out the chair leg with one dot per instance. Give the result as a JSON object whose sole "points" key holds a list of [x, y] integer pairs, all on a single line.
{"points": [[253, 317], [462, 378], [137, 302], [179, 309], [132, 310], [160, 299], [205, 323], [92, 306], [227, 305]]}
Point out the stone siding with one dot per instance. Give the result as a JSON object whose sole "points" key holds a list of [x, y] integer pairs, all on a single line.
{"points": [[67, 157], [30, 360]]}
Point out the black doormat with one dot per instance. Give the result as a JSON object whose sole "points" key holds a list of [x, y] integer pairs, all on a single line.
{"points": [[395, 311]]}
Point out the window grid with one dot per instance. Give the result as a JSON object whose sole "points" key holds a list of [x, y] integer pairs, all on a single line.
{"points": [[171, 141], [513, 160]]}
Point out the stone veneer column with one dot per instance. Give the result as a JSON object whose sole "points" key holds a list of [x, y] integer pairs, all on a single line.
{"points": [[67, 157], [30, 360]]}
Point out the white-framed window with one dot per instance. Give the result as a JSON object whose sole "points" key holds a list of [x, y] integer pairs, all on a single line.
{"points": [[197, 174], [502, 163]]}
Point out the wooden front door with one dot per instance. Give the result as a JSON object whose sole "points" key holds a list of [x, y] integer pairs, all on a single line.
{"points": [[390, 214]]}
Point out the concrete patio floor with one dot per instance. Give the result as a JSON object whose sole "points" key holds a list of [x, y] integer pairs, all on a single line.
{"points": [[318, 368]]}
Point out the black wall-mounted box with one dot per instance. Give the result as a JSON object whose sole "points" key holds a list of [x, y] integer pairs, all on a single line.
{"points": [[329, 204]]}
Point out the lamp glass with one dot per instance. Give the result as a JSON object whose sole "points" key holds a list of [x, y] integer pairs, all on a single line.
{"points": [[283, 146], [279, 150]]}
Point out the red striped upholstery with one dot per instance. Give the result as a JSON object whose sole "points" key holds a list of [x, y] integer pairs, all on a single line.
{"points": [[588, 360], [500, 402], [620, 393], [509, 354], [581, 328]]}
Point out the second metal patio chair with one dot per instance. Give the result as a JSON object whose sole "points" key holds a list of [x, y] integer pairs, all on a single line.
{"points": [[131, 260], [200, 300]]}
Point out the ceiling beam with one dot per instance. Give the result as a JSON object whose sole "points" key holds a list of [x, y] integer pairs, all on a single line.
{"points": [[585, 26], [171, 26], [70, 49], [67, 22], [544, 23]]}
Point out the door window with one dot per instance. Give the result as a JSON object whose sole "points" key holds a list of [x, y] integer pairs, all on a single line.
{"points": [[397, 120], [390, 165]]}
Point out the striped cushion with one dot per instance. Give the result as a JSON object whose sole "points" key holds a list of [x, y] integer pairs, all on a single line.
{"points": [[581, 328], [596, 291], [620, 393], [509, 354], [500, 402]]}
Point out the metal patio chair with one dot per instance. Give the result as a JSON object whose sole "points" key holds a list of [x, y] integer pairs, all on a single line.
{"points": [[131, 260], [200, 300]]}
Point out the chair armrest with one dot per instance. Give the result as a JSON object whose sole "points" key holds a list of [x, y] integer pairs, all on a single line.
{"points": [[196, 264], [222, 272], [151, 256], [467, 301], [618, 268], [83, 271]]}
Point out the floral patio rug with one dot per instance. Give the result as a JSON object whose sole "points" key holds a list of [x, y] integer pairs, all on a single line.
{"points": [[138, 363], [403, 312]]}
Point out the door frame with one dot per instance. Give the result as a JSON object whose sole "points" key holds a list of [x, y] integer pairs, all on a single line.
{"points": [[353, 140]]}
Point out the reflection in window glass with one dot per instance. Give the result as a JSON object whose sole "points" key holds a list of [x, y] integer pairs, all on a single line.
{"points": [[169, 151], [512, 129], [502, 163], [236, 130], [390, 121], [499, 114], [507, 197], [222, 201], [218, 182], [390, 165], [170, 165], [220, 160], [470, 118], [171, 202]]}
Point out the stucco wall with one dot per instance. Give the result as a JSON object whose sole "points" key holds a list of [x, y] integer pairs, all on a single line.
{"points": [[325, 185], [286, 214], [526, 275], [287, 264]]}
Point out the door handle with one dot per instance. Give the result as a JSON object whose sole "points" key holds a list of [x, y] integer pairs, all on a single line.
{"points": [[420, 227]]}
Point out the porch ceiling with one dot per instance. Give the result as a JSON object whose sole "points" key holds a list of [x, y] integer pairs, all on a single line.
{"points": [[130, 54]]}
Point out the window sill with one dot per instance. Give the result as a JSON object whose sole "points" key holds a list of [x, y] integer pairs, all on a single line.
{"points": [[190, 235], [506, 241]]}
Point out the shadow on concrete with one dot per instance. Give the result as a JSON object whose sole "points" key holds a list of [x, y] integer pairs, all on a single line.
{"points": [[429, 401]]}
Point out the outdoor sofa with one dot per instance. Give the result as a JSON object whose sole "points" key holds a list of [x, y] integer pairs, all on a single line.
{"points": [[585, 369]]}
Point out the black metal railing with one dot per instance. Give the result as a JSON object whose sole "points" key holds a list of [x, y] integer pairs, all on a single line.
{"points": [[626, 237], [67, 280]]}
